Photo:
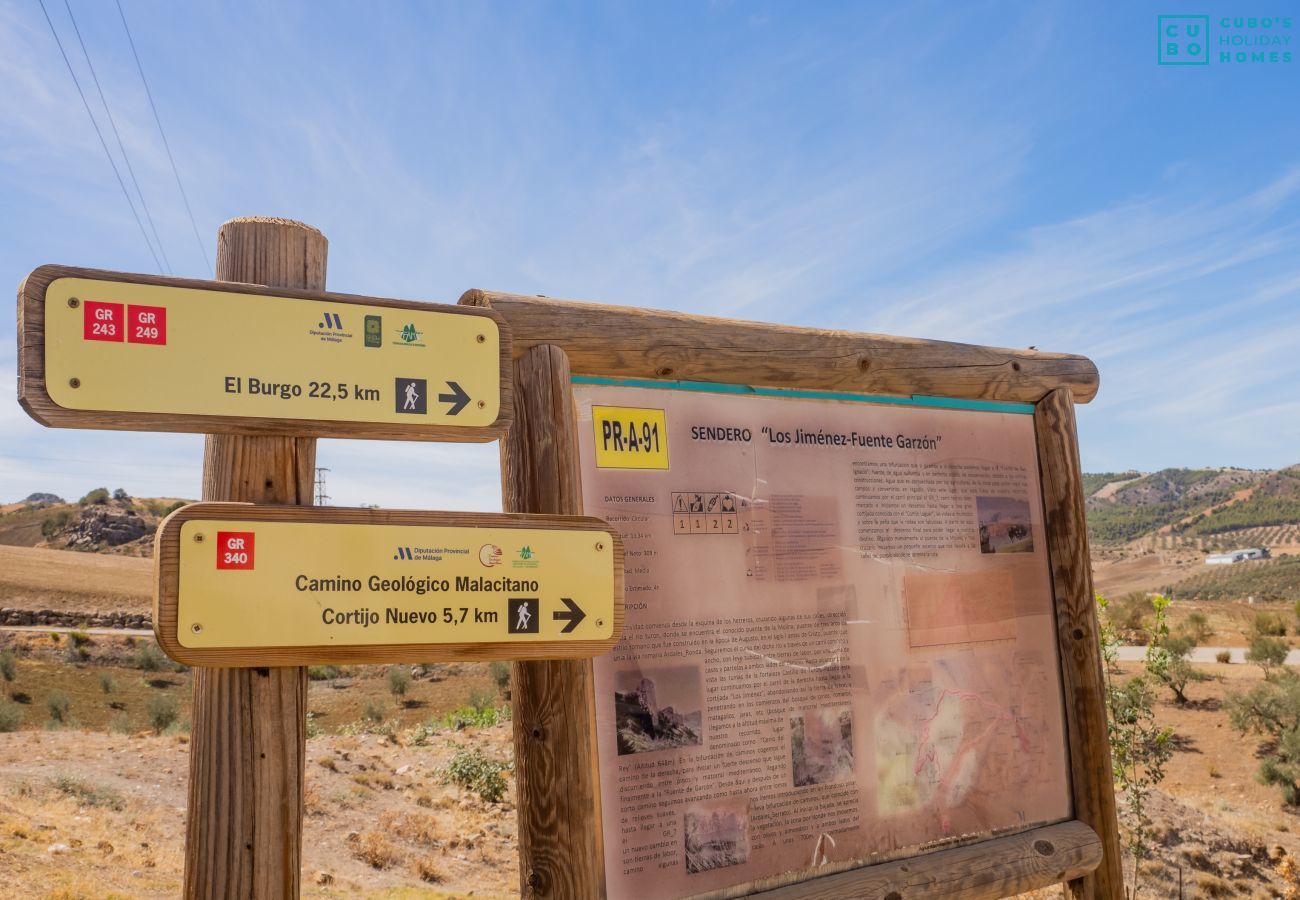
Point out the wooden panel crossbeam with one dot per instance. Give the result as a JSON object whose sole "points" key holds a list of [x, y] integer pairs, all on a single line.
{"points": [[645, 343]]}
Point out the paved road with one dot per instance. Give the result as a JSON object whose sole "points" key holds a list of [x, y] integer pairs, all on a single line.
{"points": [[1203, 654]]}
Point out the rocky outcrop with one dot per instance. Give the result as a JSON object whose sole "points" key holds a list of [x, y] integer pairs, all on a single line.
{"points": [[103, 526]]}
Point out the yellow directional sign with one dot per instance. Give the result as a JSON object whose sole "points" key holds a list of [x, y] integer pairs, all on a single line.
{"points": [[244, 585], [121, 352]]}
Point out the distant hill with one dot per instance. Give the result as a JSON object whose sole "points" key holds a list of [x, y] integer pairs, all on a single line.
{"points": [[1177, 503], [99, 523]]}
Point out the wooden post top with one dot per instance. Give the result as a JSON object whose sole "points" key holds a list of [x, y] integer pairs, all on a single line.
{"points": [[646, 343]]}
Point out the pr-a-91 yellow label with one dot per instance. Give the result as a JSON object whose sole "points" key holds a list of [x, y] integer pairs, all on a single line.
{"points": [[630, 437]]}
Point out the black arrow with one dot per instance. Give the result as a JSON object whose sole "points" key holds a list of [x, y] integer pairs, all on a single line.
{"points": [[457, 398], [573, 616]]}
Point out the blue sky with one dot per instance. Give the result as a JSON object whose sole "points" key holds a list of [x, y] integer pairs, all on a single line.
{"points": [[1003, 173]]}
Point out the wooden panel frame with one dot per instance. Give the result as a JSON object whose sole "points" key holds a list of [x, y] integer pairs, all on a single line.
{"points": [[628, 342], [167, 578], [35, 398], [635, 343]]}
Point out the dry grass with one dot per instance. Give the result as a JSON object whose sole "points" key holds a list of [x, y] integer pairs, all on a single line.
{"points": [[32, 578], [417, 828], [427, 870], [375, 850]]}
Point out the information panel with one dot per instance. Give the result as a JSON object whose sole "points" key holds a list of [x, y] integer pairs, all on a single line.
{"points": [[144, 348], [304, 581], [839, 643]]}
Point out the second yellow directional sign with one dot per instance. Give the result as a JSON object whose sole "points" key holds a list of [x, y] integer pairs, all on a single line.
{"points": [[111, 350], [244, 585]]}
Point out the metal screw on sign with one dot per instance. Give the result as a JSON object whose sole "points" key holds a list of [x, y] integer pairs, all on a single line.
{"points": [[481, 338], [482, 404], [73, 302], [196, 628], [600, 545], [198, 538], [74, 382], [600, 623]]}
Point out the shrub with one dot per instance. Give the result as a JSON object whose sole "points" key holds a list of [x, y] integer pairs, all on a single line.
{"points": [[323, 673], [374, 849], [106, 683], [373, 713], [1223, 656], [500, 670], [97, 496], [53, 524], [468, 716], [472, 770], [149, 658], [121, 495], [161, 711], [399, 680], [58, 704], [1166, 656], [1128, 611], [1167, 661], [1267, 653], [1268, 625], [428, 871], [1140, 748], [1198, 626], [11, 716], [86, 793], [1272, 709], [8, 665], [120, 724]]}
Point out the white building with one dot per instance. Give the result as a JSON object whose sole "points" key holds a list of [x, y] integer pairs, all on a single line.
{"points": [[1236, 556]]}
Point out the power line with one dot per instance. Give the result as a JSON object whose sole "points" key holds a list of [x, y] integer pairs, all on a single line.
{"points": [[100, 135], [125, 156], [203, 248]]}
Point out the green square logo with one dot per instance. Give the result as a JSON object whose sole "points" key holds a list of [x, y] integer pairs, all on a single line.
{"points": [[1183, 40], [374, 331]]}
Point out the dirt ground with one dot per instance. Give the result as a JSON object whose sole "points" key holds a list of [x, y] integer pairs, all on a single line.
{"points": [[96, 815]]}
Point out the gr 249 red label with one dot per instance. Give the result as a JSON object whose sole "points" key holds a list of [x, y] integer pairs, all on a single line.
{"points": [[235, 549]]}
